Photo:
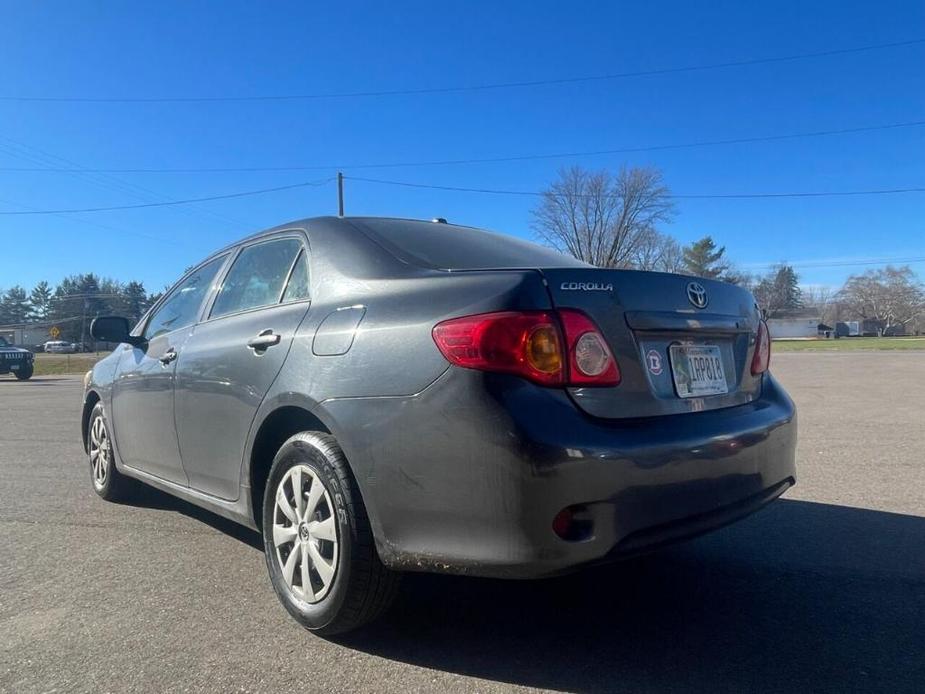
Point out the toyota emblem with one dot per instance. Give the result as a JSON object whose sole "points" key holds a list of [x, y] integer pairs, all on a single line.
{"points": [[696, 294]]}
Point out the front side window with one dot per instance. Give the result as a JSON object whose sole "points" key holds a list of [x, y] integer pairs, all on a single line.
{"points": [[3, 342], [257, 277], [181, 308]]}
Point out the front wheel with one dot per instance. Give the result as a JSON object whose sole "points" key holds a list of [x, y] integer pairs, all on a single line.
{"points": [[108, 482], [24, 374], [317, 539]]}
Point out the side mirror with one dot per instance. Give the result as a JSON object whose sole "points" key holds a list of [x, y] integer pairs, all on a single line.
{"points": [[112, 329]]}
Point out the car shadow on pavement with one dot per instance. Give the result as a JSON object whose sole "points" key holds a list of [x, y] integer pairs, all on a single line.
{"points": [[799, 597], [143, 496], [803, 596]]}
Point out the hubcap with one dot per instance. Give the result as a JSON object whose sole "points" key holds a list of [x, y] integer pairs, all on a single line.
{"points": [[100, 453], [305, 534]]}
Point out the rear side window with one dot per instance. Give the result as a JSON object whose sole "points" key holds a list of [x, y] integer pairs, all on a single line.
{"points": [[257, 277], [181, 308], [450, 247], [298, 280]]}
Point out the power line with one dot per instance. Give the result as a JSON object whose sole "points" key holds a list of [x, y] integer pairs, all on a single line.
{"points": [[721, 196], [485, 160], [868, 261], [39, 156], [228, 196], [489, 191], [98, 225], [466, 88], [840, 263]]}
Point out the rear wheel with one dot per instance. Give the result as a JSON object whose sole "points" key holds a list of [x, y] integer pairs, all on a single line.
{"points": [[108, 482], [24, 374], [317, 538]]}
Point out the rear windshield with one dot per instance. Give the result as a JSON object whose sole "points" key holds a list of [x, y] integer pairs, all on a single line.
{"points": [[450, 247]]}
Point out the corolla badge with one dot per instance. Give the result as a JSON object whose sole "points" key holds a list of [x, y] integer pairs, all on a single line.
{"points": [[696, 294], [586, 287]]}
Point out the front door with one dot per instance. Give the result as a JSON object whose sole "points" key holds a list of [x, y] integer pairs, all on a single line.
{"points": [[233, 357], [143, 390]]}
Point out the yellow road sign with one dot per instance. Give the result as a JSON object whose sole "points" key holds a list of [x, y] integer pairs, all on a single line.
{"points": [[54, 332]]}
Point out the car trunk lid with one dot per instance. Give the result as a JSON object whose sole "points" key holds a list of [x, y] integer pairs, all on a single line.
{"points": [[679, 341]]}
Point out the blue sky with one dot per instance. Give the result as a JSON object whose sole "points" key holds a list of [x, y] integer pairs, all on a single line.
{"points": [[170, 49]]}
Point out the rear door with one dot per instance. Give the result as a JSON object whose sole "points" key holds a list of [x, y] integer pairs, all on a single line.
{"points": [[142, 392], [682, 343], [233, 356]]}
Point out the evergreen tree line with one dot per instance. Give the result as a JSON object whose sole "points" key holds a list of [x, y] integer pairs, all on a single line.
{"points": [[73, 303]]}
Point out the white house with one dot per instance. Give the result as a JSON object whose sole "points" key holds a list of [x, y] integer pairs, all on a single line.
{"points": [[781, 328]]}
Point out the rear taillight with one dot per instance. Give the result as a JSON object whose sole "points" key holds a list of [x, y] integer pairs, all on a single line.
{"points": [[525, 343], [762, 357], [590, 360], [530, 344]]}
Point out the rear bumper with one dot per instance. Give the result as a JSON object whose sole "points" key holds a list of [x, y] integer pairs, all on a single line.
{"points": [[467, 476], [686, 528]]}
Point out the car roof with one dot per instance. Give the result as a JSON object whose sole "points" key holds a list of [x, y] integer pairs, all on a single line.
{"points": [[506, 251], [330, 226], [341, 223]]}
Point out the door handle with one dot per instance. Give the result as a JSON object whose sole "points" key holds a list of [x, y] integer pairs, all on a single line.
{"points": [[266, 338], [168, 356]]}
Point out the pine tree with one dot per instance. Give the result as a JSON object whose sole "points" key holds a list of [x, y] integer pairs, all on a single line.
{"points": [[703, 259], [789, 283], [71, 302], [136, 300], [40, 298], [14, 308], [779, 291]]}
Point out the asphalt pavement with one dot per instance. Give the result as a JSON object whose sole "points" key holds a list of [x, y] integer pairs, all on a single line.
{"points": [[822, 591]]}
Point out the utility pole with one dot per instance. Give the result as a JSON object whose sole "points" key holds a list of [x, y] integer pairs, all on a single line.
{"points": [[340, 194], [83, 325]]}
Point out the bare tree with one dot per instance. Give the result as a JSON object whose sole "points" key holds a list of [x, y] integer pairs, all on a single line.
{"points": [[600, 217], [817, 295], [892, 296], [820, 297], [657, 251], [648, 251], [742, 278], [672, 259]]}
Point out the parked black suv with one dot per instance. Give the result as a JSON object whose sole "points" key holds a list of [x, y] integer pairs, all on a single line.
{"points": [[15, 360]]}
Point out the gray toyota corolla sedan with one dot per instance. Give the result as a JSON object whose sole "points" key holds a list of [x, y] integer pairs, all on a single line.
{"points": [[385, 395]]}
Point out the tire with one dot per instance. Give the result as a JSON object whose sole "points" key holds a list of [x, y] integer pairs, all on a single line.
{"points": [[24, 375], [108, 482], [348, 585]]}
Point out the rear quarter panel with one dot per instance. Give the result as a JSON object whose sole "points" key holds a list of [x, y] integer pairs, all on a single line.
{"points": [[393, 354]]}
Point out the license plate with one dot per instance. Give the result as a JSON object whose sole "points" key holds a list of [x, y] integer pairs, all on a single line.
{"points": [[14, 367], [697, 370]]}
